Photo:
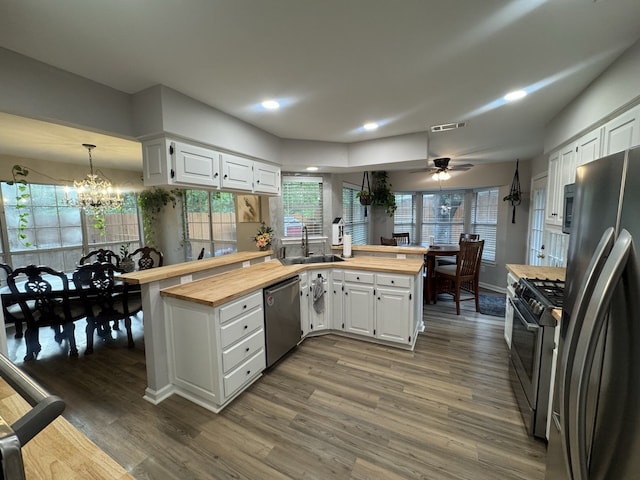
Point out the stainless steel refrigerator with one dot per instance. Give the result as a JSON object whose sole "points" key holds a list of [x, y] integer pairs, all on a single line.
{"points": [[595, 426]]}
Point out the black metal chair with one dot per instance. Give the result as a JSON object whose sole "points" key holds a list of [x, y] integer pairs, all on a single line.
{"points": [[104, 301], [10, 308], [149, 258], [201, 254], [43, 297]]}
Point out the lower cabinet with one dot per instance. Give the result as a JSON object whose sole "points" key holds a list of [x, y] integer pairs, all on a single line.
{"points": [[336, 292], [214, 353], [319, 300], [358, 303]]}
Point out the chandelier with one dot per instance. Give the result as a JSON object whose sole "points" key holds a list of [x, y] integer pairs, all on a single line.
{"points": [[93, 193]]}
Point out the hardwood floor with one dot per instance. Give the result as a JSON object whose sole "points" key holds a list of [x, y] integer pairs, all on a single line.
{"points": [[334, 408]]}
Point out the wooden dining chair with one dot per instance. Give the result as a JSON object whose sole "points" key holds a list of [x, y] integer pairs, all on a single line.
{"points": [[149, 258], [464, 237], [463, 277], [104, 301], [401, 238], [388, 241], [43, 296], [102, 255]]}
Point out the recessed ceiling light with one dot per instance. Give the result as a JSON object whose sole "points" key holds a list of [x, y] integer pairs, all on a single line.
{"points": [[312, 169], [515, 95], [370, 126], [271, 104]]}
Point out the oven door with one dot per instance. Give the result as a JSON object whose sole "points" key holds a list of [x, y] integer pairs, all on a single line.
{"points": [[526, 347]]}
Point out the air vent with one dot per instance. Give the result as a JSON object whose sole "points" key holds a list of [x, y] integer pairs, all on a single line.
{"points": [[448, 126]]}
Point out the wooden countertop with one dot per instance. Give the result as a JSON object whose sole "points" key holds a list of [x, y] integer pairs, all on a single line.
{"points": [[383, 249], [530, 271], [218, 289], [60, 451], [185, 268]]}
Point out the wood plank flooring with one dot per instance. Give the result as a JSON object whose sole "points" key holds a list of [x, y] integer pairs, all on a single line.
{"points": [[336, 408]]}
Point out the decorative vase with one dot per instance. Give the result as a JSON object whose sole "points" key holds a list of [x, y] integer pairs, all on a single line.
{"points": [[263, 249], [127, 264]]}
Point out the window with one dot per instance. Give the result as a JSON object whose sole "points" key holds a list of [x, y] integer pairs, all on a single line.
{"points": [[302, 204], [210, 223], [442, 216], [484, 220], [355, 223], [404, 220], [43, 229]]}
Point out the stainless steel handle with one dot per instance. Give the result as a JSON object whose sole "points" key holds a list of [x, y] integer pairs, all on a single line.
{"points": [[593, 271], [585, 351], [531, 327], [283, 286]]}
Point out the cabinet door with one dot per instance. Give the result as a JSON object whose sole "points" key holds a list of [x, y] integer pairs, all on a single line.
{"points": [[589, 147], [552, 189], [266, 178], [358, 309], [156, 163], [393, 314], [304, 305], [622, 132], [196, 165], [318, 311], [237, 172], [337, 303]]}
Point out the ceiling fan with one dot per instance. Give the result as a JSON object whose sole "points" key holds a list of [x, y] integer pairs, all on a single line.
{"points": [[441, 168]]}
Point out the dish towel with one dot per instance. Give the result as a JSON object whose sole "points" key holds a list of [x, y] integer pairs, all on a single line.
{"points": [[317, 288]]}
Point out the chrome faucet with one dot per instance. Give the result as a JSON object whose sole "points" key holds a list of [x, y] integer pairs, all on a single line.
{"points": [[305, 241]]}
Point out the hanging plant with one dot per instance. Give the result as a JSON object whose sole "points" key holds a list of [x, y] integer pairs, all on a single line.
{"points": [[382, 195], [19, 174], [151, 203]]}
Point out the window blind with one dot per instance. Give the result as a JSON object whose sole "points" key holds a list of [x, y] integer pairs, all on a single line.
{"points": [[484, 220], [404, 219], [355, 223], [302, 205]]}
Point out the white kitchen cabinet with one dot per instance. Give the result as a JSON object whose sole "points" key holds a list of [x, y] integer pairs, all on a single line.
{"points": [[359, 303], [319, 310], [215, 353], [195, 165], [237, 172], [512, 281], [266, 178], [562, 171], [622, 132], [336, 291], [589, 147], [156, 162]]}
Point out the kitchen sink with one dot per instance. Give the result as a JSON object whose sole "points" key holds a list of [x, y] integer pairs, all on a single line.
{"points": [[311, 259]]}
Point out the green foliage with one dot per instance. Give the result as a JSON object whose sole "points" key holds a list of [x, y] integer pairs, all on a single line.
{"points": [[124, 250], [23, 195], [151, 203], [382, 194]]}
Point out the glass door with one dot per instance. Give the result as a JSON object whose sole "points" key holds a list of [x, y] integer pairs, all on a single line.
{"points": [[536, 234]]}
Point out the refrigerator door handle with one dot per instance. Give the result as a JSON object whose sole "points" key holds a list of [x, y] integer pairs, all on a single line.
{"points": [[568, 351], [585, 351]]}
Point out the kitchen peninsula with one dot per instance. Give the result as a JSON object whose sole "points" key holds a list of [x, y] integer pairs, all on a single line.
{"points": [[213, 327]]}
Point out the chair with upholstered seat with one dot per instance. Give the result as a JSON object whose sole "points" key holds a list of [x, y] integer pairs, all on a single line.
{"points": [[104, 301], [388, 241], [149, 258], [43, 297], [401, 238], [463, 277]]}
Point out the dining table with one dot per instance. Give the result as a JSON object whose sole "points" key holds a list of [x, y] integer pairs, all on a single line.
{"points": [[433, 252]]}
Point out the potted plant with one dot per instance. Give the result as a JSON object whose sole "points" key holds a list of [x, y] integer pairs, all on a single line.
{"points": [[151, 202], [126, 262], [381, 192], [365, 197]]}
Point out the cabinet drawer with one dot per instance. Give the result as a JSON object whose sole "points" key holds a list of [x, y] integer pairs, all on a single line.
{"points": [[358, 277], [243, 326], [238, 307], [393, 280], [243, 350], [337, 275], [244, 373]]}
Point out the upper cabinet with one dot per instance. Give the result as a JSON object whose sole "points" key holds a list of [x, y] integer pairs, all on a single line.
{"points": [[562, 171], [622, 132], [169, 162], [589, 147]]}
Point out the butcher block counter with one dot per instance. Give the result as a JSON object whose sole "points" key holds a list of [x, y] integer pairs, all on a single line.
{"points": [[60, 451], [531, 271], [219, 289]]}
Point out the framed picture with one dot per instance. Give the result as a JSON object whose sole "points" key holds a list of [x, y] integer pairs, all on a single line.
{"points": [[248, 208]]}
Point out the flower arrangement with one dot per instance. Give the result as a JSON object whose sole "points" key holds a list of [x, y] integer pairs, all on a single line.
{"points": [[264, 237]]}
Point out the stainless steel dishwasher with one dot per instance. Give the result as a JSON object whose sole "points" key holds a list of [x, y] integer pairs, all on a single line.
{"points": [[281, 318]]}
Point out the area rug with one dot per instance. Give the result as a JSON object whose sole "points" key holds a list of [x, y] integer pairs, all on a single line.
{"points": [[493, 305]]}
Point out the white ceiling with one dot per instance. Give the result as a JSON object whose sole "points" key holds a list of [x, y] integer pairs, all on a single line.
{"points": [[335, 64]]}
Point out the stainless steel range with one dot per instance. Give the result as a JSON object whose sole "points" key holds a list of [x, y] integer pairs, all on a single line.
{"points": [[532, 346]]}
